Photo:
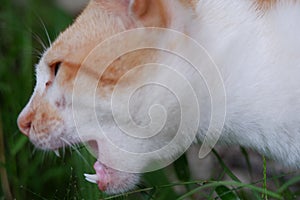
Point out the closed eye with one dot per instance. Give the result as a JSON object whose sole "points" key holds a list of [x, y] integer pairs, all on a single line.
{"points": [[55, 67]]}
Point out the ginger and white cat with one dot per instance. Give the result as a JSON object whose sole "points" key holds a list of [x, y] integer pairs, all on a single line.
{"points": [[254, 44]]}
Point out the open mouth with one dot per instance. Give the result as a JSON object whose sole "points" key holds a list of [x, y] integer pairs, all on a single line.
{"points": [[101, 177], [108, 180]]}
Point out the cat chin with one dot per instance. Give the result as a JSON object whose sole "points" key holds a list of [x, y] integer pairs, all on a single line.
{"points": [[112, 181]]}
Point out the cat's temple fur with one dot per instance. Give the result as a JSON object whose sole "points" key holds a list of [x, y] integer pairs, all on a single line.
{"points": [[255, 45]]}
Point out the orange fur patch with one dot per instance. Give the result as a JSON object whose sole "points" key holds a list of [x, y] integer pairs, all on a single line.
{"points": [[71, 51], [125, 63], [265, 4]]}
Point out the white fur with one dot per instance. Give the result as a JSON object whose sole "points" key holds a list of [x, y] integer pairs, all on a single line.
{"points": [[259, 59]]}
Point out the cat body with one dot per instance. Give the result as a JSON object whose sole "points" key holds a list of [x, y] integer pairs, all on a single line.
{"points": [[253, 45]]}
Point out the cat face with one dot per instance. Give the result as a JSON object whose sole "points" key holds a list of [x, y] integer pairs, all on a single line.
{"points": [[48, 118]]}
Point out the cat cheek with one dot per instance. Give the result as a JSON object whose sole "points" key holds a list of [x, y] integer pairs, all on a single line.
{"points": [[61, 103]]}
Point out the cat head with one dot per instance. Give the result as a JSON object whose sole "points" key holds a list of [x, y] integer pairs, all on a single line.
{"points": [[74, 71]]}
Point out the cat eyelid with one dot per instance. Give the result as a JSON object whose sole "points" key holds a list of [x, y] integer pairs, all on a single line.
{"points": [[55, 67]]}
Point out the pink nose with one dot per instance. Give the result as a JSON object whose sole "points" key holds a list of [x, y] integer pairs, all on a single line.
{"points": [[24, 121]]}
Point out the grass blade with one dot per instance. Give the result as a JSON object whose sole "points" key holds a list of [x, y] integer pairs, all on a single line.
{"points": [[290, 182], [264, 195], [225, 193], [225, 168], [248, 162], [230, 183]]}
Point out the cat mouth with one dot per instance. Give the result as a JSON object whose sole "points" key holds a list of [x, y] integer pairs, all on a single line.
{"points": [[101, 177], [105, 177]]}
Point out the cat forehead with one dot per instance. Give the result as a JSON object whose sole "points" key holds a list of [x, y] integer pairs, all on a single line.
{"points": [[93, 26]]}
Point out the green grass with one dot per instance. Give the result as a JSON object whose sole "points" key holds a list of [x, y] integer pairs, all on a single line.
{"points": [[27, 173]]}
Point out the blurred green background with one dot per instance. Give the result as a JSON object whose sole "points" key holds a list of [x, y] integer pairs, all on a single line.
{"points": [[27, 173]]}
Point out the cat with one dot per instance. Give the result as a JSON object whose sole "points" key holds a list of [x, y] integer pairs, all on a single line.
{"points": [[247, 82]]}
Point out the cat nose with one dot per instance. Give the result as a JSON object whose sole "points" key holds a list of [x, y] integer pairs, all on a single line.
{"points": [[24, 121]]}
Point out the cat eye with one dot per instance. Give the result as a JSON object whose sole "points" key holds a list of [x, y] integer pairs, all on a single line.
{"points": [[56, 67]]}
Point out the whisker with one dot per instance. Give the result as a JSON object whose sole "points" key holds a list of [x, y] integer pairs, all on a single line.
{"points": [[32, 192], [71, 152], [66, 141], [79, 146], [76, 150], [64, 150], [46, 31], [39, 40], [33, 151], [37, 53], [43, 156]]}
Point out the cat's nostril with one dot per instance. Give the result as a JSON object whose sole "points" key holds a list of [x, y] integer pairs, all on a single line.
{"points": [[24, 124], [25, 128]]}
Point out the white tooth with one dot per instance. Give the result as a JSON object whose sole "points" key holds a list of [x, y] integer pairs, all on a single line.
{"points": [[93, 178], [57, 153], [91, 181]]}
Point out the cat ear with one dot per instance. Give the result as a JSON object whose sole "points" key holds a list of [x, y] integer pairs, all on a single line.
{"points": [[150, 12], [139, 7], [135, 7]]}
